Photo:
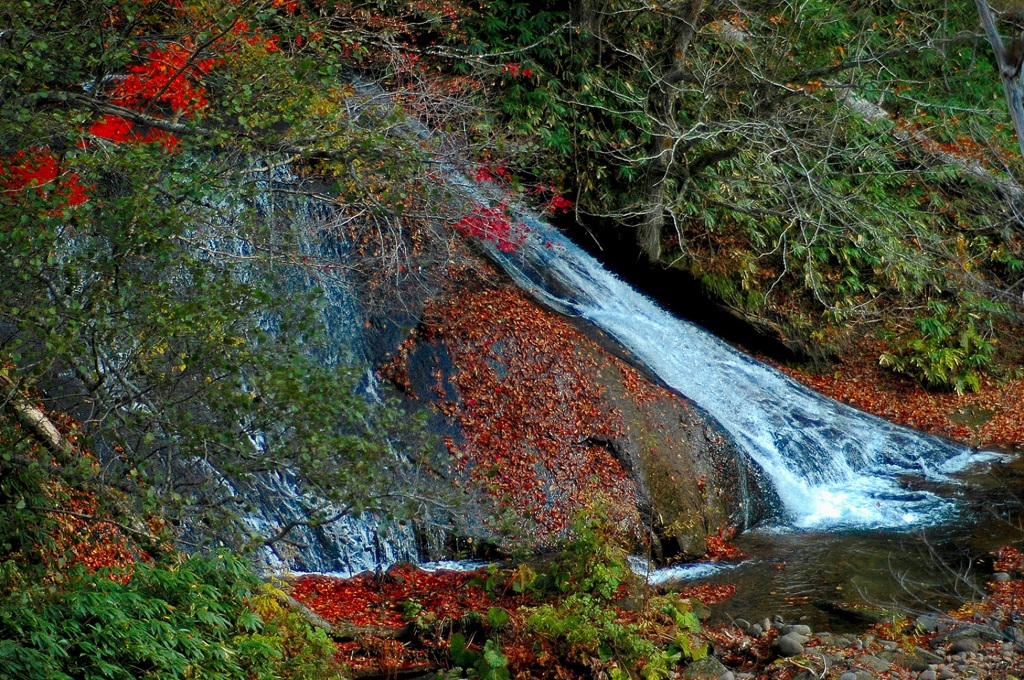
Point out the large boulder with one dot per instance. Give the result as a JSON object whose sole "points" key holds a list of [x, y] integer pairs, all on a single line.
{"points": [[545, 417]]}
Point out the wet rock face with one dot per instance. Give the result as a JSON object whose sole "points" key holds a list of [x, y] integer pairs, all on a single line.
{"points": [[545, 421]]}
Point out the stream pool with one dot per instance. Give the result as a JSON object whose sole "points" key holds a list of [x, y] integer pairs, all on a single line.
{"points": [[821, 577]]}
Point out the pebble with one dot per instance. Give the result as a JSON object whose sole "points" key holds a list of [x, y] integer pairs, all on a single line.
{"points": [[1000, 577], [927, 675], [728, 675], [755, 630], [848, 675], [789, 645], [766, 624], [946, 674], [742, 623]]}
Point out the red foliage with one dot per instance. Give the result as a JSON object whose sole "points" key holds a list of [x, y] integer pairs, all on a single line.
{"points": [[491, 173], [491, 224], [255, 37], [91, 542], [516, 70], [558, 204], [117, 129], [38, 170], [168, 75]]}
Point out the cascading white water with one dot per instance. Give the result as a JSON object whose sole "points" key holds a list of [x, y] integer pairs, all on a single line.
{"points": [[832, 465]]}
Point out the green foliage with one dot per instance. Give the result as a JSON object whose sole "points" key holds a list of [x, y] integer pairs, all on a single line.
{"points": [[488, 664], [816, 210], [182, 304], [591, 560], [585, 626], [182, 618], [946, 349], [584, 622]]}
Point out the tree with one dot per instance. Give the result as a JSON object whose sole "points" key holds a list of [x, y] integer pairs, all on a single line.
{"points": [[175, 176], [821, 168], [1008, 61]]}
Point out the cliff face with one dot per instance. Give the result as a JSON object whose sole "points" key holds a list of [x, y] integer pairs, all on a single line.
{"points": [[542, 422]]}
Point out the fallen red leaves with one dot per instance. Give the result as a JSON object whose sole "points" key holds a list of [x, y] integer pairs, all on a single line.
{"points": [[392, 599], [444, 602], [376, 600], [720, 550], [529, 406]]}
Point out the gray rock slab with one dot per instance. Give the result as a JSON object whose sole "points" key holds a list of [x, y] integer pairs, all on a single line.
{"points": [[705, 669]]}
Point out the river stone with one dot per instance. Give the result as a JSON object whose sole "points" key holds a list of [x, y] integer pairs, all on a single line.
{"points": [[708, 667], [916, 659], [728, 675], [802, 639], [966, 644], [874, 663], [742, 624], [789, 645], [755, 630], [946, 674], [1000, 577], [927, 623], [848, 675], [968, 632], [798, 628], [928, 674], [766, 624]]}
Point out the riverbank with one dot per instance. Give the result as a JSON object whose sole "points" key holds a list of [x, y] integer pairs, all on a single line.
{"points": [[982, 640], [992, 417], [421, 624]]}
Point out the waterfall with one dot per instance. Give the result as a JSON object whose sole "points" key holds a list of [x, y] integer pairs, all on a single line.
{"points": [[832, 465], [350, 543], [344, 547]]}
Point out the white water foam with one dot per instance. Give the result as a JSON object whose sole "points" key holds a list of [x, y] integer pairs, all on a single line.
{"points": [[832, 465]]}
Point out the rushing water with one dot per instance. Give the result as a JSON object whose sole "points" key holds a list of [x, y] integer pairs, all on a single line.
{"points": [[824, 577], [832, 465]]}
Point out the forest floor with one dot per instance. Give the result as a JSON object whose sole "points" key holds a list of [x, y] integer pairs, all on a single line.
{"points": [[991, 417]]}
